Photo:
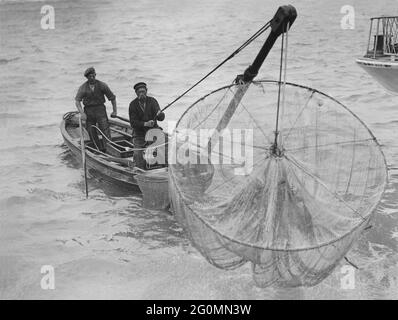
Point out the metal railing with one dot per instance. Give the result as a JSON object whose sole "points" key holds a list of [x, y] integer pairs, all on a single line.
{"points": [[385, 37]]}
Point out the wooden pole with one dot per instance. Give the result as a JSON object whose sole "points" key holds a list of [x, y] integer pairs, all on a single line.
{"points": [[282, 21], [123, 119], [83, 150]]}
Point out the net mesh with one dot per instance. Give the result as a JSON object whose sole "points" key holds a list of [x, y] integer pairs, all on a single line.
{"points": [[293, 213]]}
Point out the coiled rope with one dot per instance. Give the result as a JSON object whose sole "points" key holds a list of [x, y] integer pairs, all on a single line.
{"points": [[69, 115]]}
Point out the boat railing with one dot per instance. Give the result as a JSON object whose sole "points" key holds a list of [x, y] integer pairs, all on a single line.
{"points": [[384, 33]]}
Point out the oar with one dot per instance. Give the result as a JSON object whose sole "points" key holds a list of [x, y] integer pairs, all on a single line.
{"points": [[121, 118], [83, 155], [127, 120]]}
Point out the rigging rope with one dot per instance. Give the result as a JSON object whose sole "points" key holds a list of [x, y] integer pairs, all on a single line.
{"points": [[275, 148], [243, 46], [284, 81]]}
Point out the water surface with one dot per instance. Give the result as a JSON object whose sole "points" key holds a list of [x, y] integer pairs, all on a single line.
{"points": [[109, 246]]}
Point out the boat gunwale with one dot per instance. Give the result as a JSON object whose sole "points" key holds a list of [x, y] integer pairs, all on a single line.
{"points": [[376, 63], [91, 156]]}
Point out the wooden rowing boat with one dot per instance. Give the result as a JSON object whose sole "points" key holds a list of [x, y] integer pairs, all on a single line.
{"points": [[115, 166]]}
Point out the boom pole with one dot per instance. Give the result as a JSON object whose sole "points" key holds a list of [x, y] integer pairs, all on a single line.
{"points": [[280, 23]]}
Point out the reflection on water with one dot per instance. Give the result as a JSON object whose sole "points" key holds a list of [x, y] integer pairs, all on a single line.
{"points": [[109, 246]]}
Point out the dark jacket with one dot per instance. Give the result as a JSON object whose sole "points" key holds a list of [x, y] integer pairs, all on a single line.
{"points": [[94, 98], [138, 117]]}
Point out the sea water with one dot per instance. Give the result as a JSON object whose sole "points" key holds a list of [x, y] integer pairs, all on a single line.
{"points": [[109, 246]]}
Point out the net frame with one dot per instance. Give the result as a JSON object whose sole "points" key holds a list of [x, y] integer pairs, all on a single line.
{"points": [[235, 257]]}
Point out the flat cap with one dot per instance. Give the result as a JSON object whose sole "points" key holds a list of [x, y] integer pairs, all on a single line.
{"points": [[89, 71], [140, 85]]}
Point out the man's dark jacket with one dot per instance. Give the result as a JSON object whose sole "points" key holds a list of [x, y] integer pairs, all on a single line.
{"points": [[138, 117]]}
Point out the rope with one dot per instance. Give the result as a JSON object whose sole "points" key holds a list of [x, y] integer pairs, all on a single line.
{"points": [[243, 46], [67, 116], [279, 92], [284, 83], [351, 263], [91, 131], [123, 147]]}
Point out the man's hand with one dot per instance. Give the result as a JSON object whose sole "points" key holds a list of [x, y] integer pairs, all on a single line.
{"points": [[149, 123], [113, 114], [83, 116], [160, 116]]}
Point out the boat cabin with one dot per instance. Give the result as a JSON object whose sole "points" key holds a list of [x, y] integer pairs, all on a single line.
{"points": [[383, 38]]}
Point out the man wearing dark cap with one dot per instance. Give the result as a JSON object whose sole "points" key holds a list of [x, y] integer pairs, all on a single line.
{"points": [[93, 93], [144, 111]]}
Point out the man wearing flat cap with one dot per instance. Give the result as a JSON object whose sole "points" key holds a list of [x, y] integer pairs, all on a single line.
{"points": [[93, 93], [144, 112]]}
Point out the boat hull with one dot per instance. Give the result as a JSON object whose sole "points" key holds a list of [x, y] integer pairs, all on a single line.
{"points": [[383, 71], [99, 167]]}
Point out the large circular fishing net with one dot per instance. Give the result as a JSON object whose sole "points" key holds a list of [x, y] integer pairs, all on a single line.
{"points": [[293, 210]]}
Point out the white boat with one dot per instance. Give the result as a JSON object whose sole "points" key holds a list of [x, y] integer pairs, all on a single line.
{"points": [[381, 58]]}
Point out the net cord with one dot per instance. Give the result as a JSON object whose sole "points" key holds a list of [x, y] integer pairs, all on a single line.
{"points": [[284, 82], [281, 85]]}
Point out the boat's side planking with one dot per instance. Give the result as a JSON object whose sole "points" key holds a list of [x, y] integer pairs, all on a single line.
{"points": [[108, 170]]}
